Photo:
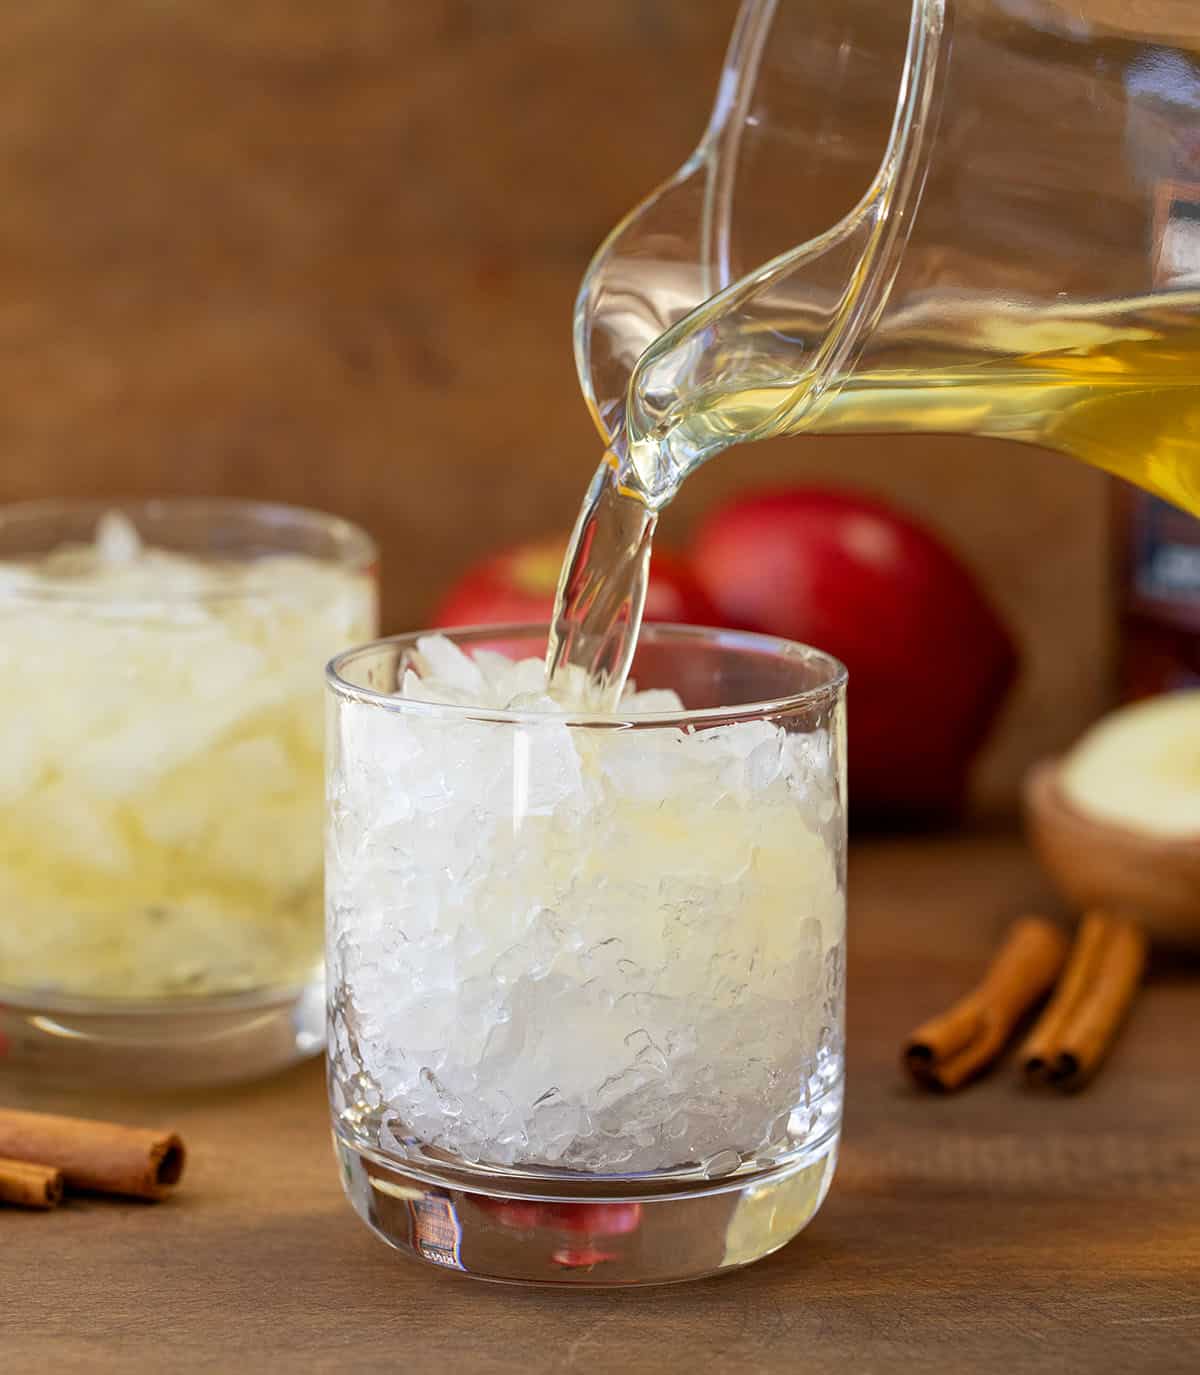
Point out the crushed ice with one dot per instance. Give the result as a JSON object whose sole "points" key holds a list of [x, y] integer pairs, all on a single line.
{"points": [[608, 949], [450, 677], [117, 539], [120, 572], [170, 733]]}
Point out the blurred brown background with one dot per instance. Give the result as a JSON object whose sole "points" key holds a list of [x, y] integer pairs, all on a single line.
{"points": [[326, 253]]}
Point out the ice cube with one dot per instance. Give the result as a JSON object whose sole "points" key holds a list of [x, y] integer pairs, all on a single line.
{"points": [[117, 539], [653, 700], [531, 701], [154, 739], [71, 825], [16, 578], [764, 763], [229, 782], [22, 758], [528, 677], [495, 667], [448, 668]]}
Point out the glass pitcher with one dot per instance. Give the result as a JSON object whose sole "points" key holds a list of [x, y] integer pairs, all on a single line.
{"points": [[1019, 254]]}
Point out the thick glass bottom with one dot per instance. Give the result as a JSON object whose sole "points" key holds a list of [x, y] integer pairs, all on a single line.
{"points": [[158, 1046], [558, 1236]]}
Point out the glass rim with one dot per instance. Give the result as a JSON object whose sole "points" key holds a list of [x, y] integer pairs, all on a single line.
{"points": [[353, 549], [821, 694]]}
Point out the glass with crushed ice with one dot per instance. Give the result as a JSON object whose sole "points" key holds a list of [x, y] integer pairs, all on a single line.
{"points": [[160, 782], [585, 971]]}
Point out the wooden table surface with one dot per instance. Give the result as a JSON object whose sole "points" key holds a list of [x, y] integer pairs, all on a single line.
{"points": [[993, 1231]]}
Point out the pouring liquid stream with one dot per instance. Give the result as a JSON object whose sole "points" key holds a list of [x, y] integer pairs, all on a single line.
{"points": [[1115, 385]]}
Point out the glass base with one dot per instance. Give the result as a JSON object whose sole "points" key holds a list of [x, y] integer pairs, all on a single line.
{"points": [[157, 1046], [558, 1238]]}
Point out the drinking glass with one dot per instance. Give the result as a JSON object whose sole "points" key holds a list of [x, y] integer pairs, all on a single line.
{"points": [[160, 783], [585, 972]]}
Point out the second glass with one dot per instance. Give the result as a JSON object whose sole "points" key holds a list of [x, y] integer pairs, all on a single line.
{"points": [[586, 972], [160, 783]]}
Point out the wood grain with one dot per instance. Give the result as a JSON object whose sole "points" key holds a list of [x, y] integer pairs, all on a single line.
{"points": [[325, 253], [993, 1232]]}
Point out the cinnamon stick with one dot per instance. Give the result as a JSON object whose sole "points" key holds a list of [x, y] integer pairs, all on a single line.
{"points": [[100, 1156], [948, 1051], [30, 1186], [1077, 1029]]}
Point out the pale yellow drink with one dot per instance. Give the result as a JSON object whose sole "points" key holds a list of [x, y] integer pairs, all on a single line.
{"points": [[161, 765]]}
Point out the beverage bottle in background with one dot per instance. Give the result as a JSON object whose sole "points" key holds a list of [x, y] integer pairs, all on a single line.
{"points": [[1159, 592], [1159, 596]]}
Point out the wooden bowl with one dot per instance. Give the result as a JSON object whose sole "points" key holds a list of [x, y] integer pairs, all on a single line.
{"points": [[1096, 864]]}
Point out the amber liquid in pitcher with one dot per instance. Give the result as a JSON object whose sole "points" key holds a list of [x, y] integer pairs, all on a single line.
{"points": [[1114, 384]]}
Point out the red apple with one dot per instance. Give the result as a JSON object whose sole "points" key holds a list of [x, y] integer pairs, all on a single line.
{"points": [[518, 585], [587, 1219], [930, 661]]}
